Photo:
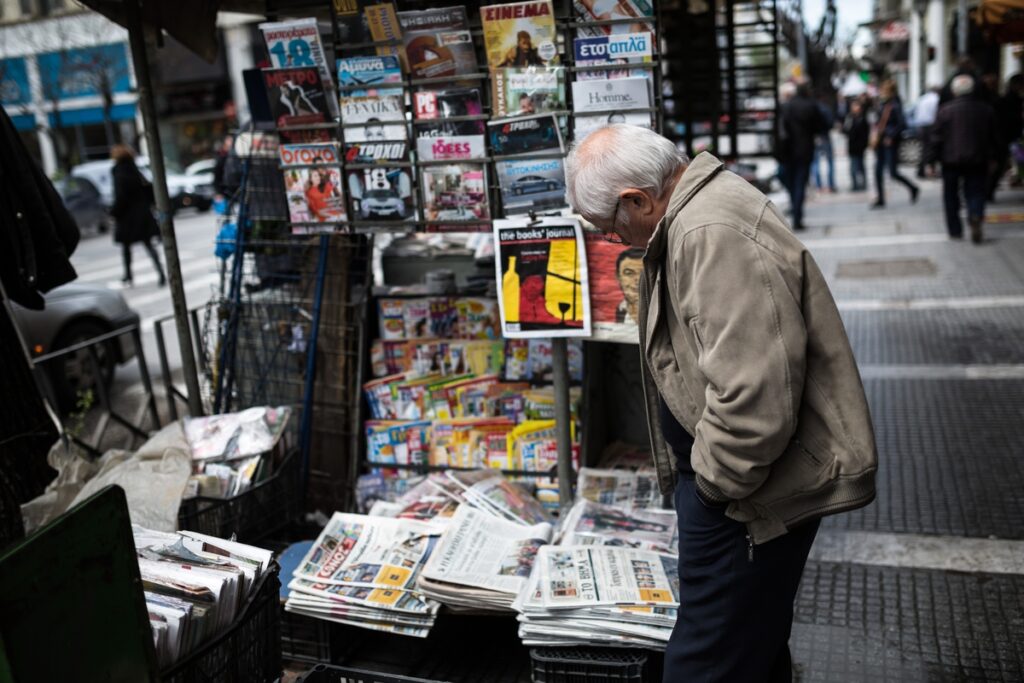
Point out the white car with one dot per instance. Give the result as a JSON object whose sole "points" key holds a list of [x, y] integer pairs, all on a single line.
{"points": [[185, 189]]}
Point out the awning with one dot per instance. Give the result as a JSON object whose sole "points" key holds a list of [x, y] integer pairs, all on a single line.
{"points": [[1001, 20], [89, 115]]}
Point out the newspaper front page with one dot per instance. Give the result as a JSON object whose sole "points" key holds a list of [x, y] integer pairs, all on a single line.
{"points": [[587, 576]]}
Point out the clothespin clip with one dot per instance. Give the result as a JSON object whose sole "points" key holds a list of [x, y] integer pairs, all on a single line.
{"points": [[533, 219]]}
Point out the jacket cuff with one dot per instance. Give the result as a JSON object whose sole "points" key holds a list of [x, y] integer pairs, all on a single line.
{"points": [[709, 492]]}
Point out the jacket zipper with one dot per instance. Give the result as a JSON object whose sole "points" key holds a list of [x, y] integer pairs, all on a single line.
{"points": [[750, 548]]}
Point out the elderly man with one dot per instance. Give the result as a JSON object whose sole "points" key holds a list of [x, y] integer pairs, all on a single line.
{"points": [[755, 407]]}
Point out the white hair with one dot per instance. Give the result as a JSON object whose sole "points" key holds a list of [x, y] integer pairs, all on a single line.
{"points": [[626, 157], [961, 85], [787, 91]]}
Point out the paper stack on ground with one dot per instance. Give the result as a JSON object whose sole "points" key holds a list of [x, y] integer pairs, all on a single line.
{"points": [[362, 571]]}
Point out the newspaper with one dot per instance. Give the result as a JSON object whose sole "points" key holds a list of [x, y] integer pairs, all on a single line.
{"points": [[230, 436], [620, 488], [482, 559], [590, 523], [491, 492]]}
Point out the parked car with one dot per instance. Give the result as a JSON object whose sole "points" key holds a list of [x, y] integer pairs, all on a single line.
{"points": [[382, 204], [75, 313], [84, 202], [529, 184], [196, 184], [183, 189]]}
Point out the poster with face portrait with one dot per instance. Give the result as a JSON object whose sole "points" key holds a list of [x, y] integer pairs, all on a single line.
{"points": [[615, 271], [543, 287]]}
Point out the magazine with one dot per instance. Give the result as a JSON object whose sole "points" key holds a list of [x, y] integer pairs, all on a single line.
{"points": [[611, 96], [455, 193], [384, 116], [443, 104], [525, 135], [584, 125], [231, 436], [438, 42], [296, 44], [371, 72], [312, 181], [451, 148], [618, 11], [384, 192], [383, 26], [624, 48], [531, 185], [615, 271], [297, 96], [376, 152], [520, 34], [528, 90], [542, 273]]}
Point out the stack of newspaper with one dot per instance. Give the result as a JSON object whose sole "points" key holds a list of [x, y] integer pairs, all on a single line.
{"points": [[622, 488], [482, 560], [362, 571], [599, 595], [194, 585], [590, 523]]}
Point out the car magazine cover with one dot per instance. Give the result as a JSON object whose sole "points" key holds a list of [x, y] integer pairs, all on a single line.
{"points": [[619, 11], [376, 152], [611, 96], [520, 34], [384, 116], [525, 135], [296, 43], [623, 48], [455, 195], [312, 182], [438, 42], [297, 96], [371, 72], [541, 269], [615, 271], [528, 90], [383, 192], [531, 184]]}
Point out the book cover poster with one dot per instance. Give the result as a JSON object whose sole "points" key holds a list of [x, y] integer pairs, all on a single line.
{"points": [[542, 278], [520, 34], [525, 135], [296, 96], [531, 184], [312, 181], [454, 195], [630, 16], [381, 193], [296, 43], [609, 96], [526, 91], [615, 271], [438, 42]]}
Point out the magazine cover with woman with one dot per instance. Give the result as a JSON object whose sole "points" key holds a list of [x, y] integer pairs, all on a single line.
{"points": [[312, 182]]}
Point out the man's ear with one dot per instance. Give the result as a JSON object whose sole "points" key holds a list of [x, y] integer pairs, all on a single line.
{"points": [[637, 200]]}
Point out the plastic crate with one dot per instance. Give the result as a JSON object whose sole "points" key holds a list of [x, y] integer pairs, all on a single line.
{"points": [[305, 639], [591, 664], [340, 674], [250, 517], [249, 651]]}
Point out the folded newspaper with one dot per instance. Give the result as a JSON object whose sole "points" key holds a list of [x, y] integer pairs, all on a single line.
{"points": [[194, 585], [482, 561], [599, 595], [362, 571], [590, 523], [620, 488]]}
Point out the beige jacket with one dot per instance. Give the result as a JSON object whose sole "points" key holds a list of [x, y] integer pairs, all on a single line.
{"points": [[741, 337]]}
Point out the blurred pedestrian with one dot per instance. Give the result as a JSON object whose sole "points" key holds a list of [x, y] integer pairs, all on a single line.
{"points": [[823, 149], [133, 211], [220, 162], [1010, 123], [885, 139], [800, 121], [925, 109], [857, 131], [965, 140]]}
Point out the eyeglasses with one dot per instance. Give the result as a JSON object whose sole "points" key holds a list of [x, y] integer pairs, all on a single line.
{"points": [[611, 236]]}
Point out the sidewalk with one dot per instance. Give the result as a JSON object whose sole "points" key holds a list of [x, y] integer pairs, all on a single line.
{"points": [[926, 583]]}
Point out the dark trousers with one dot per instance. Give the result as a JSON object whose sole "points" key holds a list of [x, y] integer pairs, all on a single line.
{"points": [[857, 173], [925, 137], [794, 175], [975, 180], [887, 158], [735, 613], [126, 257]]}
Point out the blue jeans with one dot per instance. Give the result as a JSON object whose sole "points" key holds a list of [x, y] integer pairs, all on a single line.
{"points": [[975, 180], [793, 176], [857, 173], [887, 159], [736, 612], [824, 149]]}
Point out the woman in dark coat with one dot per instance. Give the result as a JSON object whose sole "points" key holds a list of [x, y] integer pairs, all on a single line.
{"points": [[132, 211]]}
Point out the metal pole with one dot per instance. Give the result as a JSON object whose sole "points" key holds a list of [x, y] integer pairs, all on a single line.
{"points": [[140, 61], [563, 416], [923, 49], [961, 28], [306, 426]]}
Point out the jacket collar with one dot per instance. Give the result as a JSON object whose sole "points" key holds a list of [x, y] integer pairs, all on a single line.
{"points": [[698, 173]]}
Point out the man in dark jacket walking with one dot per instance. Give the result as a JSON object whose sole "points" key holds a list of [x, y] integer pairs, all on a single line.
{"points": [[800, 121], [888, 132], [857, 131], [132, 211], [964, 139]]}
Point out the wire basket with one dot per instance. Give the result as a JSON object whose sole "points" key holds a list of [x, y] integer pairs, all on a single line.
{"points": [[323, 673], [252, 516], [594, 665], [248, 651]]}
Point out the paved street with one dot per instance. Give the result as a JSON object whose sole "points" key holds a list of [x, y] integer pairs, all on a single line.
{"points": [[927, 583]]}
